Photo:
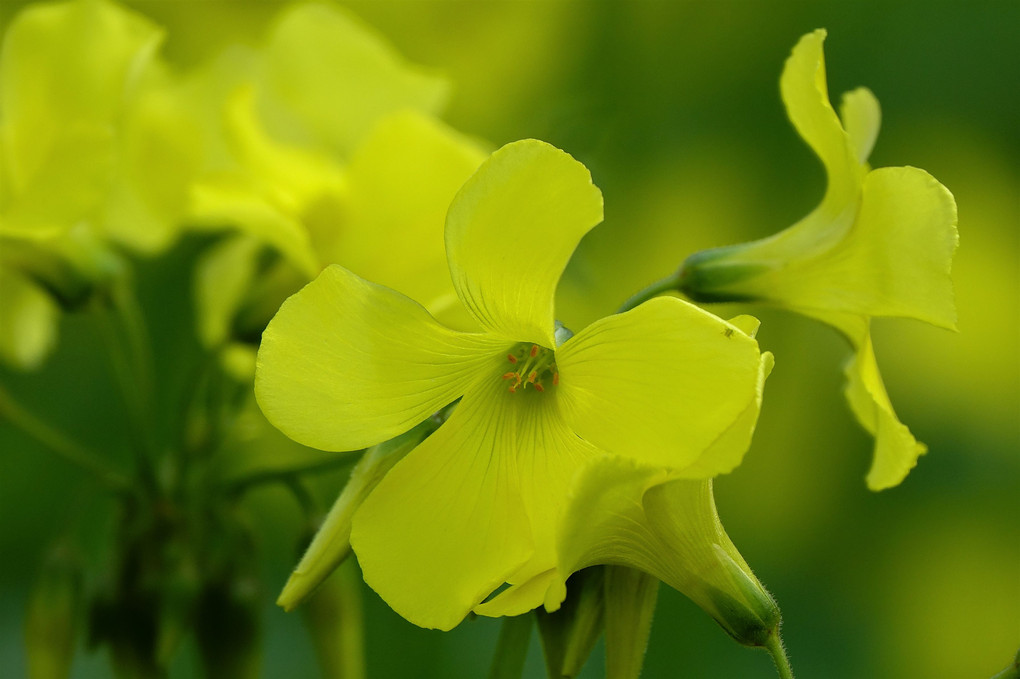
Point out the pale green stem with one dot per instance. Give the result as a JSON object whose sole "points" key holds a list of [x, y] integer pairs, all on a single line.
{"points": [[775, 648], [670, 283], [61, 445], [511, 648]]}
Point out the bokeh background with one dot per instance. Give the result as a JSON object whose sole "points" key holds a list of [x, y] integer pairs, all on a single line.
{"points": [[674, 106]]}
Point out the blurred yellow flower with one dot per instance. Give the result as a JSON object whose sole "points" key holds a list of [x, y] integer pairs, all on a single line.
{"points": [[85, 106], [323, 149], [880, 244], [347, 363]]}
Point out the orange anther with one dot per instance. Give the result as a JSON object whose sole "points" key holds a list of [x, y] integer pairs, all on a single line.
{"points": [[509, 376], [538, 386], [533, 376], [556, 379], [534, 350], [513, 389], [511, 358]]}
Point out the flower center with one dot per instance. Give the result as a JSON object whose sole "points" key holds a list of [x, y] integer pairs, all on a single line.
{"points": [[531, 365]]}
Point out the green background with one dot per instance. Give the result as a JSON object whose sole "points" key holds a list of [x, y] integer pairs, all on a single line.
{"points": [[674, 107]]}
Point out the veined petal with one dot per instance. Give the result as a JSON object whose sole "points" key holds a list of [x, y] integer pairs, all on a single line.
{"points": [[659, 383], [347, 363], [896, 449], [338, 77], [28, 321], [632, 515], [447, 525], [510, 232], [400, 184]]}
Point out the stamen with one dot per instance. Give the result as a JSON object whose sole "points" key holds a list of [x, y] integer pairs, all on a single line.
{"points": [[556, 379], [539, 387], [532, 376], [511, 358], [509, 376], [513, 389], [534, 350]]}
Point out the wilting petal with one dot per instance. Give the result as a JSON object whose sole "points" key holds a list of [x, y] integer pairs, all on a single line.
{"points": [[631, 515], [447, 525], [400, 184], [347, 363], [28, 321], [338, 77], [896, 449], [510, 232], [660, 384]]}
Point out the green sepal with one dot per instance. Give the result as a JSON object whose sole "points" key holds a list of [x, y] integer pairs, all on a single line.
{"points": [[630, 597], [754, 617], [706, 276], [569, 634]]}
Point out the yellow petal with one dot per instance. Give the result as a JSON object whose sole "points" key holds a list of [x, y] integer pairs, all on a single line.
{"points": [[637, 516], [338, 77], [806, 95], [226, 200], [447, 525], [346, 363], [510, 232], [223, 274], [896, 450], [28, 321], [862, 117], [66, 64], [331, 544], [400, 184], [661, 383]]}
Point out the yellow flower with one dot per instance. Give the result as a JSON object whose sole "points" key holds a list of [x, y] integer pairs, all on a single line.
{"points": [[84, 107], [880, 244], [325, 151], [347, 363]]}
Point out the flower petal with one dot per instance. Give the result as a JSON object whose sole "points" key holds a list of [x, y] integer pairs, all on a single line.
{"points": [[896, 449], [862, 118], [28, 321], [338, 77], [400, 184], [806, 95], [447, 525], [660, 383], [510, 232], [637, 516], [347, 363], [65, 65]]}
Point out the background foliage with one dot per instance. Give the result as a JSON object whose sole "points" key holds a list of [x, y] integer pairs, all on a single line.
{"points": [[675, 109]]}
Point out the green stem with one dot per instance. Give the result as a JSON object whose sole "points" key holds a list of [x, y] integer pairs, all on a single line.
{"points": [[130, 381], [511, 648], [286, 475], [60, 445], [670, 283], [775, 648]]}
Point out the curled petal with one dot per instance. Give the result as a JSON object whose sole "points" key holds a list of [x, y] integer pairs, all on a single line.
{"points": [[510, 232], [347, 363], [661, 384]]}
